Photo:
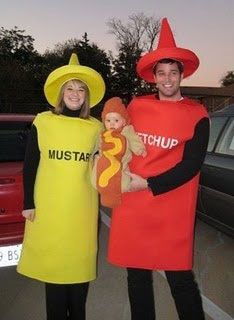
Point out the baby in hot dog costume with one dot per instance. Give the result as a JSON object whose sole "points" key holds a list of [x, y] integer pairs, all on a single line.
{"points": [[117, 143]]}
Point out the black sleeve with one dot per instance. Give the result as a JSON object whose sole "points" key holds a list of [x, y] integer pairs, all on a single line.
{"points": [[193, 157], [31, 161]]}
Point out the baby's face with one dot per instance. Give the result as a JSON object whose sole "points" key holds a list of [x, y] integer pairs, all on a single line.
{"points": [[114, 120]]}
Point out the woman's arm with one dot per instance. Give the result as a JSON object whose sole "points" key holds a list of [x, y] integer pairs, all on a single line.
{"points": [[31, 162]]}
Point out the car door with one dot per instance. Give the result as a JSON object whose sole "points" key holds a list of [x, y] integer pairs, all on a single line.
{"points": [[216, 201]]}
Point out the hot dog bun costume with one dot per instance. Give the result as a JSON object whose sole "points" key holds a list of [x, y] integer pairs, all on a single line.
{"points": [[60, 245], [153, 231], [109, 173]]}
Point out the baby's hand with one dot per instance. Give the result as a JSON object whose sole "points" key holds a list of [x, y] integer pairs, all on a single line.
{"points": [[144, 153]]}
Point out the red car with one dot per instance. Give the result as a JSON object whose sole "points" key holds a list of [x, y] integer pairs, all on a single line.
{"points": [[14, 129]]}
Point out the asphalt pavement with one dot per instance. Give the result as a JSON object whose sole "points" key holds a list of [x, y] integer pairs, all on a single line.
{"points": [[23, 298]]}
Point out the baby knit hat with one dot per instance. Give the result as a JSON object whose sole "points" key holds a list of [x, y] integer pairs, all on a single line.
{"points": [[116, 105]]}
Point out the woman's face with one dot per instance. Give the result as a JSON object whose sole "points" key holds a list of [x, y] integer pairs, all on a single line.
{"points": [[74, 95]]}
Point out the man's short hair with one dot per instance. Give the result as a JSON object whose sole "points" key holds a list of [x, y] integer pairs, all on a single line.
{"points": [[168, 60]]}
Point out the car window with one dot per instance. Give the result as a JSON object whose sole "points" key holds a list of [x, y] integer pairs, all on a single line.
{"points": [[226, 145], [217, 125], [13, 139]]}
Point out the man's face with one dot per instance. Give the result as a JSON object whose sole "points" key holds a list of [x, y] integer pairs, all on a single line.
{"points": [[167, 77]]}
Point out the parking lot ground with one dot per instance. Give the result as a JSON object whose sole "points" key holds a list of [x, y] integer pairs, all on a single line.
{"points": [[23, 298]]}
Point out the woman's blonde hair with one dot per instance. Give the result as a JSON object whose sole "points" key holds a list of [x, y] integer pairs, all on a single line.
{"points": [[85, 108]]}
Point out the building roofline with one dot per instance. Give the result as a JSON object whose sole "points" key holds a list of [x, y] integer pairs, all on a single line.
{"points": [[209, 91]]}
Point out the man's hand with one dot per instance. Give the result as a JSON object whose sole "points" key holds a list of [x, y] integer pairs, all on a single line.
{"points": [[29, 214], [137, 182]]}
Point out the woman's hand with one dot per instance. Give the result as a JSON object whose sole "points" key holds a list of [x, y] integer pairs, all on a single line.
{"points": [[95, 159], [29, 214], [137, 182]]}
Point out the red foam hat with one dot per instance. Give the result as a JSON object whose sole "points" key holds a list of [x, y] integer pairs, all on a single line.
{"points": [[166, 49]]}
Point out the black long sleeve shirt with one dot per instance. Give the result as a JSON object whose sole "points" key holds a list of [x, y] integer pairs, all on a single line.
{"points": [[193, 157], [31, 161]]}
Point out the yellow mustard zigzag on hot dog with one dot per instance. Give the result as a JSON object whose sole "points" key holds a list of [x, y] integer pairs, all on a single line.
{"points": [[115, 165]]}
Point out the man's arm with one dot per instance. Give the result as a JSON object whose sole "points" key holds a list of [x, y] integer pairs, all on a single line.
{"points": [[185, 170], [190, 165]]}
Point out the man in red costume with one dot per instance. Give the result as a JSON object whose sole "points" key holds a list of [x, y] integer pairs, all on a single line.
{"points": [[153, 228]]}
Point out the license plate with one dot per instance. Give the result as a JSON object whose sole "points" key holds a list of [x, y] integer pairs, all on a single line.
{"points": [[9, 255]]}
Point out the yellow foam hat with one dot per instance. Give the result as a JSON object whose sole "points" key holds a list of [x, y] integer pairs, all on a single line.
{"points": [[74, 70]]}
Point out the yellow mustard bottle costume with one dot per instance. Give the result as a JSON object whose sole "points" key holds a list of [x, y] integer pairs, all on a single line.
{"points": [[60, 245]]}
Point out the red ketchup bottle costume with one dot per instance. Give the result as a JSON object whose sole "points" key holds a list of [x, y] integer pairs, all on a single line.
{"points": [[153, 231]]}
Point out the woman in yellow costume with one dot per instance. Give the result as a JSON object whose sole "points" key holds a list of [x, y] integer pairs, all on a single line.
{"points": [[60, 205]]}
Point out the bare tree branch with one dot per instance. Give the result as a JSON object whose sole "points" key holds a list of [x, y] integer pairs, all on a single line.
{"points": [[139, 33]]}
